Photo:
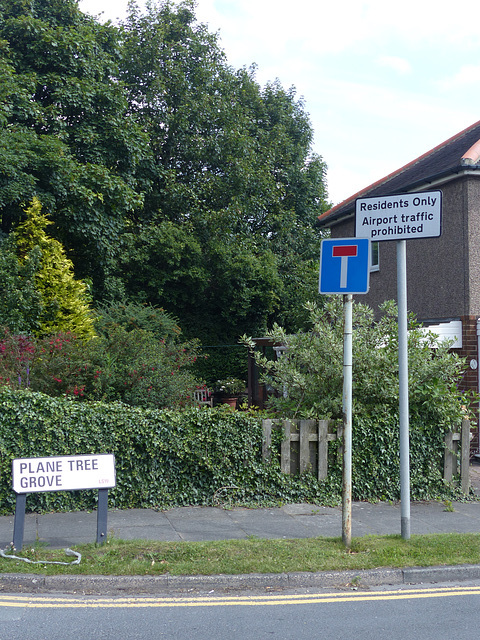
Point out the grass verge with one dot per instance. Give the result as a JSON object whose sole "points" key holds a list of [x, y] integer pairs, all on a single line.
{"points": [[140, 557]]}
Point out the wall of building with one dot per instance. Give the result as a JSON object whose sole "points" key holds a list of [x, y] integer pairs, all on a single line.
{"points": [[473, 231]]}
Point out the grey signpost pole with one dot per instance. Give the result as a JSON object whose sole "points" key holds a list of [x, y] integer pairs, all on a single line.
{"points": [[347, 422], [401, 217], [345, 269], [403, 388]]}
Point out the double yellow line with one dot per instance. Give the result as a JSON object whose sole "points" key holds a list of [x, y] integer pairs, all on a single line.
{"points": [[82, 602]]}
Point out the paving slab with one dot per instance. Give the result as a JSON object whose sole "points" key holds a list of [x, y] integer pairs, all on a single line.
{"points": [[136, 524], [434, 517], [6, 529], [213, 523], [66, 529], [203, 523]]}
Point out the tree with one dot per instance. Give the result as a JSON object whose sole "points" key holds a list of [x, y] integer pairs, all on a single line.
{"points": [[64, 300], [64, 133], [170, 177], [20, 303], [308, 383], [224, 151], [226, 238]]}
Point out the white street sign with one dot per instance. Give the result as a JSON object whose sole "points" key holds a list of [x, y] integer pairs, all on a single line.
{"points": [[63, 473], [399, 217]]}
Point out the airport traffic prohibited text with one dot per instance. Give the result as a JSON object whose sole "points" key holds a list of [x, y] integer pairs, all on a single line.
{"points": [[399, 217]]}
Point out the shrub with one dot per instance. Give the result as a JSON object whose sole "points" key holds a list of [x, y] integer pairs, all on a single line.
{"points": [[130, 366], [163, 458], [137, 368], [308, 381]]}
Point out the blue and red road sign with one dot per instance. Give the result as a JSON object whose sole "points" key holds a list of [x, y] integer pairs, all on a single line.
{"points": [[344, 265]]}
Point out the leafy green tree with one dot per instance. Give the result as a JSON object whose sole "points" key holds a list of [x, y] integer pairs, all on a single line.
{"points": [[171, 178], [226, 238], [311, 367], [20, 303], [64, 132], [225, 152], [65, 301]]}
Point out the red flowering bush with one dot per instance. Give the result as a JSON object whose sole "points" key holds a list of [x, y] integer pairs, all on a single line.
{"points": [[140, 369], [16, 355], [132, 366]]}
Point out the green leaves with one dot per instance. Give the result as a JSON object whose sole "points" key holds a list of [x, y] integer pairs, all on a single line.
{"points": [[170, 177], [64, 300], [225, 240], [163, 458], [64, 118], [309, 383]]}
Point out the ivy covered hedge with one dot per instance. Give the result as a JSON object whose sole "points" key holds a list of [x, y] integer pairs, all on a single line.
{"points": [[376, 458], [199, 456], [163, 458]]}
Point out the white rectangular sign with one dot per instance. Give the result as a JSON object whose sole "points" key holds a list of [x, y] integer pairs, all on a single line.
{"points": [[400, 217], [63, 473]]}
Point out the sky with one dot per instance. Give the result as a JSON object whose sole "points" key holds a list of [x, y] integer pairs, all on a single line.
{"points": [[382, 82]]}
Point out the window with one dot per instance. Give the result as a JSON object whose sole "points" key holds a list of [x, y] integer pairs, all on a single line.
{"points": [[374, 256]]}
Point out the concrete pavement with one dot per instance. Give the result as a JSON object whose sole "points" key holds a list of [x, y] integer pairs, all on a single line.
{"points": [[61, 530]]}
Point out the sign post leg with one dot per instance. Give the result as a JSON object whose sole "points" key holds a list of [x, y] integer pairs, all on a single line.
{"points": [[403, 388], [102, 514], [347, 422], [19, 521]]}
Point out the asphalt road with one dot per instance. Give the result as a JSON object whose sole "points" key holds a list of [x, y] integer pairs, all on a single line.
{"points": [[429, 612]]}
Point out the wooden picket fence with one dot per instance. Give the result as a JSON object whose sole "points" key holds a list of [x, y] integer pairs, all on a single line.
{"points": [[457, 456], [304, 447]]}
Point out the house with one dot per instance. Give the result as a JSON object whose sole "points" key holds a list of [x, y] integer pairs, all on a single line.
{"points": [[443, 274]]}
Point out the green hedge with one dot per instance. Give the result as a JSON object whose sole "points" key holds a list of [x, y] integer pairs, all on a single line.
{"points": [[200, 456], [163, 458], [376, 458]]}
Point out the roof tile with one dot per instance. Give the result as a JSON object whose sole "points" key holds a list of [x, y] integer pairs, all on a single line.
{"points": [[452, 156]]}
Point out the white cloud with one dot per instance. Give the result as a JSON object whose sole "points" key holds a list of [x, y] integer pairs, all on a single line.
{"points": [[468, 75], [337, 53], [321, 27], [400, 65]]}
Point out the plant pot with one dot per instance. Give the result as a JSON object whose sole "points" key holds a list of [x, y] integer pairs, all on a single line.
{"points": [[232, 402]]}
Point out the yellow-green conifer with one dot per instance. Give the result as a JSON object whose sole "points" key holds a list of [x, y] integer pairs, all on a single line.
{"points": [[64, 299]]}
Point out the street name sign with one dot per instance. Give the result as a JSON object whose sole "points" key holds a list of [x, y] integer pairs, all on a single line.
{"points": [[344, 265], [399, 217], [63, 473]]}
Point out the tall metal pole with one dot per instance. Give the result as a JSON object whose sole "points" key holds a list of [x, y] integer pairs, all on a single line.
{"points": [[403, 388], [347, 422]]}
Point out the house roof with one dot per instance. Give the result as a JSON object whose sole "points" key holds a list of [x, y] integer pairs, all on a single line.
{"points": [[456, 155]]}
